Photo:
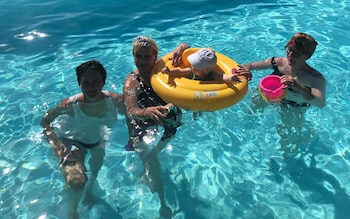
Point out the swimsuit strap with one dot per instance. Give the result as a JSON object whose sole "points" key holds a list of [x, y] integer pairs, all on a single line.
{"points": [[285, 102], [147, 97], [136, 76], [144, 87], [275, 67]]}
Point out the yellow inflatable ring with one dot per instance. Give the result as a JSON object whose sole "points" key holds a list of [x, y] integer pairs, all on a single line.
{"points": [[194, 94]]}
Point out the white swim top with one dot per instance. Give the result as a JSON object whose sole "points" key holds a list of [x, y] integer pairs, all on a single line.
{"points": [[88, 129]]}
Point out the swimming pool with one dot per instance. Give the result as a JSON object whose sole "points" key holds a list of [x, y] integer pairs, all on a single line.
{"points": [[225, 164]]}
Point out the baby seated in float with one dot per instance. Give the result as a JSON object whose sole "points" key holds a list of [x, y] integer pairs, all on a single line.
{"points": [[202, 65]]}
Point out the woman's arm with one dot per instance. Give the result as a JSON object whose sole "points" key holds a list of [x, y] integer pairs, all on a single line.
{"points": [[318, 88], [118, 101], [49, 132], [130, 90], [318, 91], [316, 96], [245, 69], [259, 65]]}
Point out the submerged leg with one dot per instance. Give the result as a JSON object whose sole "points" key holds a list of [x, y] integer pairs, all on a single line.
{"points": [[95, 162], [76, 179], [152, 175], [291, 130], [74, 173]]}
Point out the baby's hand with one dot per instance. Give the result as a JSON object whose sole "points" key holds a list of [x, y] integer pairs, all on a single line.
{"points": [[235, 79], [166, 70]]}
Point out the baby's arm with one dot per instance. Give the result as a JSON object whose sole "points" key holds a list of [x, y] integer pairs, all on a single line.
{"points": [[226, 78], [177, 72]]}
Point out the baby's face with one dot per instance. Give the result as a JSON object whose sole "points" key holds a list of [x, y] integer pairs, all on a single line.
{"points": [[199, 73]]}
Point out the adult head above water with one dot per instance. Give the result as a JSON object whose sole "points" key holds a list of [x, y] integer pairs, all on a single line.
{"points": [[301, 44], [145, 53], [90, 65], [142, 42]]}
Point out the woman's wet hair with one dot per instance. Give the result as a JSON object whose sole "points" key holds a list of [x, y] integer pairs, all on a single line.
{"points": [[304, 43], [90, 65], [144, 41]]}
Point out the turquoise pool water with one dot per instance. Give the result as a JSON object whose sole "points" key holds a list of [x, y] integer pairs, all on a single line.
{"points": [[225, 164]]}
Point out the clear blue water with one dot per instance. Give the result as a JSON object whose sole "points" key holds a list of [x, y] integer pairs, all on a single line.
{"points": [[225, 164]]}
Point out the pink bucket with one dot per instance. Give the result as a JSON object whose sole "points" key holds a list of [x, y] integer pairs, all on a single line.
{"points": [[272, 89]]}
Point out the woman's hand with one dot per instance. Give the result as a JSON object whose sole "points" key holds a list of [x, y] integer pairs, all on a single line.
{"points": [[289, 80], [157, 113], [244, 71], [177, 54], [293, 82], [58, 148]]}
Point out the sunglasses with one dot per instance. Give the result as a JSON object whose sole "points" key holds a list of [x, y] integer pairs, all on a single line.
{"points": [[292, 52]]}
